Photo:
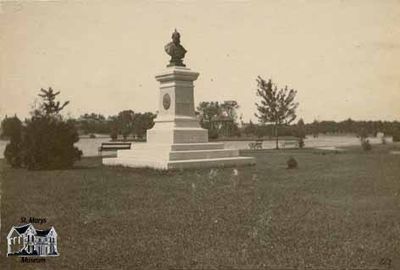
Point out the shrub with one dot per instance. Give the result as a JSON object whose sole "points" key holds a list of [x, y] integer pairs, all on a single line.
{"points": [[49, 144], [292, 163], [366, 145], [92, 136]]}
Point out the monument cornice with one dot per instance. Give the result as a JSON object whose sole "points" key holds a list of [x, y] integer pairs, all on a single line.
{"points": [[184, 84], [177, 74]]}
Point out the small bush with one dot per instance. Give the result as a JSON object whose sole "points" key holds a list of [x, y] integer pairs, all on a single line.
{"points": [[92, 136], [292, 163], [366, 145], [384, 140]]}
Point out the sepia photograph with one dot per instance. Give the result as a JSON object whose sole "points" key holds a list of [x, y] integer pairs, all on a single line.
{"points": [[189, 134]]}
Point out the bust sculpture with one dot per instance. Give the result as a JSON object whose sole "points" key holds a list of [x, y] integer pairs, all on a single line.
{"points": [[175, 50]]}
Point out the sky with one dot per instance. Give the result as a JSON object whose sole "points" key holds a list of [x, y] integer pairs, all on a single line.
{"points": [[343, 57]]}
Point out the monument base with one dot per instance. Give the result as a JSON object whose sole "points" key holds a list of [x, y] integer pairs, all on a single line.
{"points": [[178, 156]]}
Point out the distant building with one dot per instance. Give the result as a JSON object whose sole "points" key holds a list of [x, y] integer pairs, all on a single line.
{"points": [[25, 240]]}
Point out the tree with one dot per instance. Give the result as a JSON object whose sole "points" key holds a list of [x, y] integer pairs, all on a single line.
{"points": [[143, 122], [49, 107], [112, 123], [11, 127], [227, 119], [300, 129], [300, 132], [47, 139], [208, 112], [250, 129], [394, 130], [125, 122], [128, 122], [93, 123], [277, 106], [229, 108], [315, 128], [219, 118]]}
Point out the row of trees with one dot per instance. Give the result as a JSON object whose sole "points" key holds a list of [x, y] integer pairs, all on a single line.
{"points": [[126, 123], [370, 128], [358, 128], [220, 124]]}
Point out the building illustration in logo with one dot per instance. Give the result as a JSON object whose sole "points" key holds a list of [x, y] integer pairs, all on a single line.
{"points": [[25, 240]]}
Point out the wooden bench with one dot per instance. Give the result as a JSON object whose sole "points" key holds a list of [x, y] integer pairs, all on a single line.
{"points": [[113, 146], [292, 143], [257, 145]]}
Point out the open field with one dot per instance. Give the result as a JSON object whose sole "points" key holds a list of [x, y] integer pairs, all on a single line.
{"points": [[335, 210]]}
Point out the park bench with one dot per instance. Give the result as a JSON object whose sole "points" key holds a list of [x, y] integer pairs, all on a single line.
{"points": [[291, 143], [113, 146], [257, 145]]}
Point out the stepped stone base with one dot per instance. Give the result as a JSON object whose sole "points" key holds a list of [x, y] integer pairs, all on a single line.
{"points": [[179, 156]]}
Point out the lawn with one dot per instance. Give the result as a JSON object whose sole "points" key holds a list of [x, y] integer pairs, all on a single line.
{"points": [[336, 210]]}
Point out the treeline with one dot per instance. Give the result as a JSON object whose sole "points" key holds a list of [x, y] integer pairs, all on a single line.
{"points": [[222, 121], [361, 128], [349, 126], [126, 123]]}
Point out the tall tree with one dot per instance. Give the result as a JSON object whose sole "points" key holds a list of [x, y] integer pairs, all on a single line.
{"points": [[276, 106]]}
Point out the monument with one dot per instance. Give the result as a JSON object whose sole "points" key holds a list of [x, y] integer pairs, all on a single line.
{"points": [[177, 141]]}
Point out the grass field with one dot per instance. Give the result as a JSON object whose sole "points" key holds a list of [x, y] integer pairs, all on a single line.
{"points": [[335, 211]]}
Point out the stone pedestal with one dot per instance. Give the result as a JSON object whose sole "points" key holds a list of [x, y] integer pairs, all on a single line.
{"points": [[177, 140]]}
